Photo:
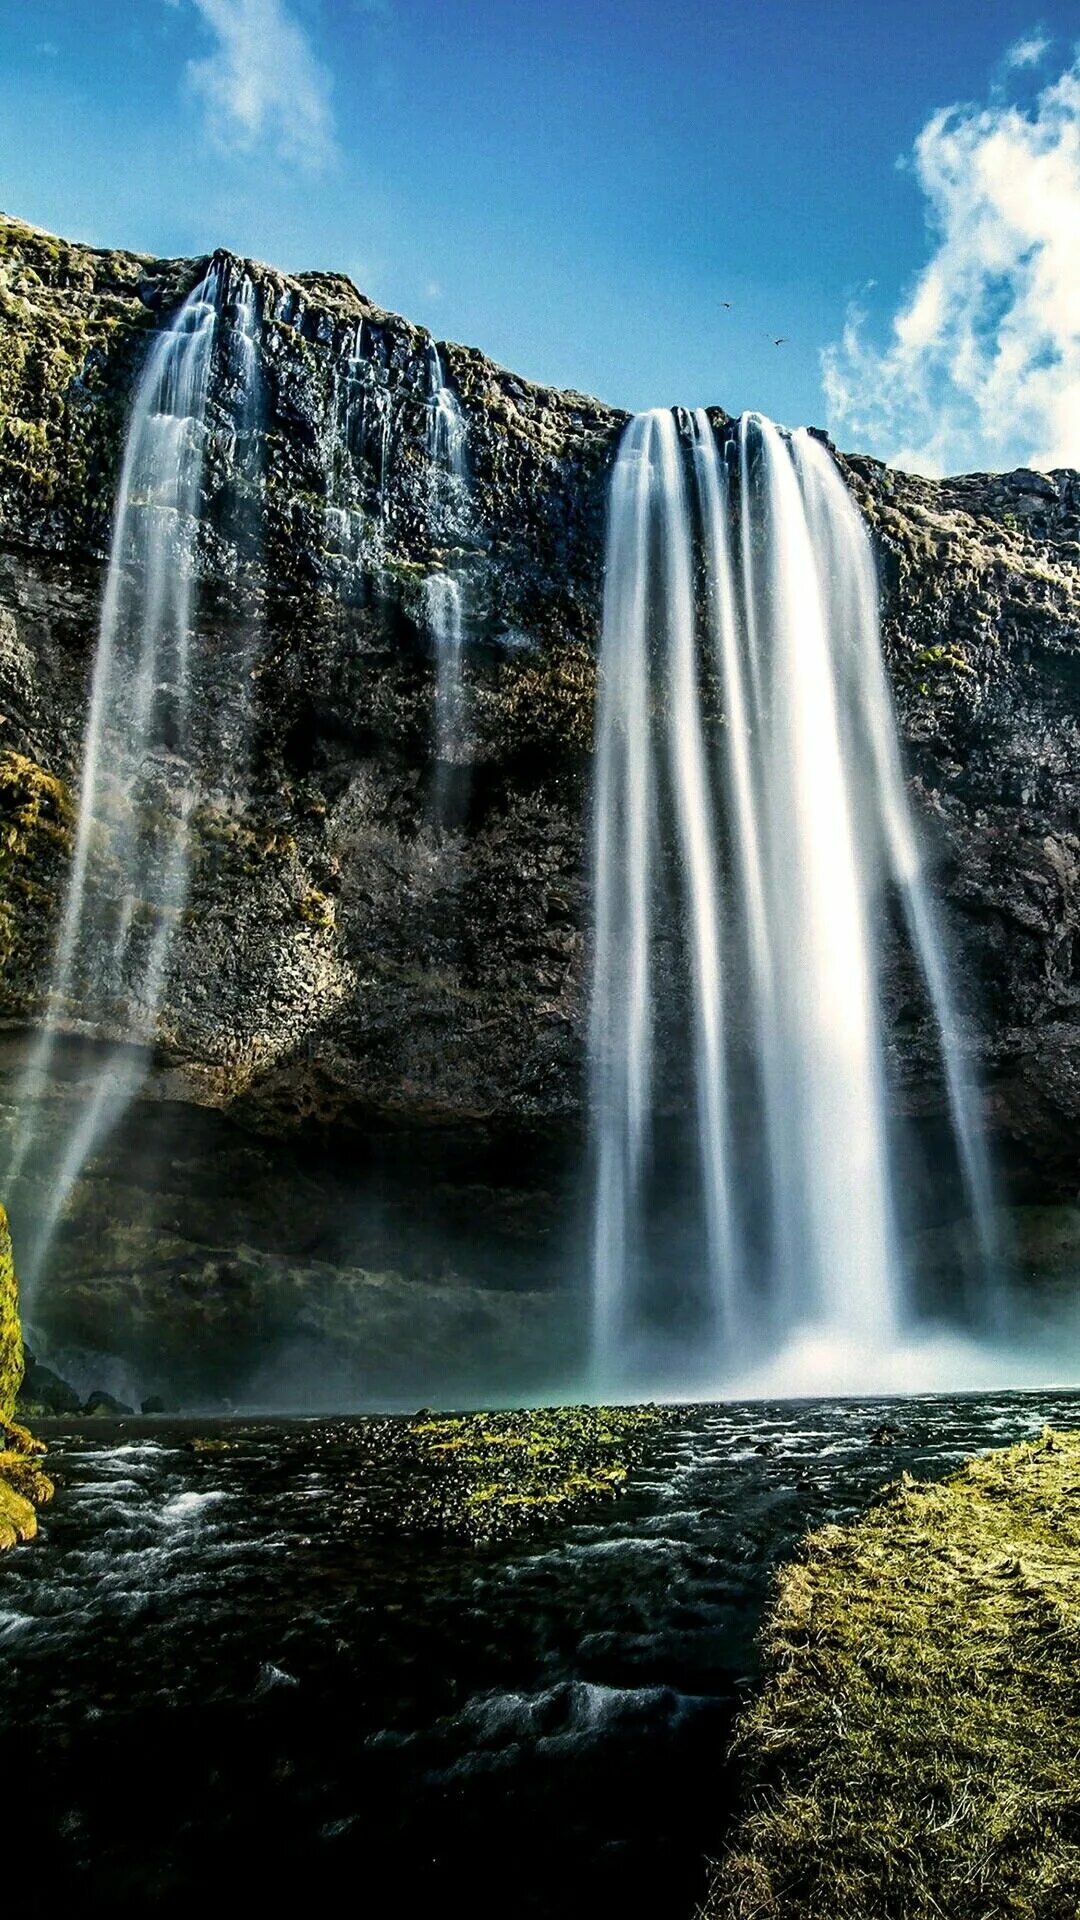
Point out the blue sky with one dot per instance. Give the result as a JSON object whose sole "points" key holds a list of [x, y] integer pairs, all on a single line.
{"points": [[578, 187]]}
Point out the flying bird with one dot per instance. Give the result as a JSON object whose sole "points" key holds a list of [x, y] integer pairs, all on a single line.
{"points": [[781, 341], [725, 303]]}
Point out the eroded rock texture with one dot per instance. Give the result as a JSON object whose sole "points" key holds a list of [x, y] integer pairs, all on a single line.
{"points": [[364, 1133]]}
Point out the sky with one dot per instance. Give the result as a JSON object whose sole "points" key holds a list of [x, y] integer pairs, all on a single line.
{"points": [[633, 200]]}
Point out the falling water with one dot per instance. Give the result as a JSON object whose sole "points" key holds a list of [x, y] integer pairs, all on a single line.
{"points": [[446, 627], [128, 881], [446, 435], [775, 918], [443, 589]]}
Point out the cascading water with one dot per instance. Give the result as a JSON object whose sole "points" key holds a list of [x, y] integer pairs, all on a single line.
{"points": [[446, 437], [764, 591], [130, 867], [443, 589]]}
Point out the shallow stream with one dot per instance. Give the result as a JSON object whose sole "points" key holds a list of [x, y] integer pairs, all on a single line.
{"points": [[223, 1679]]}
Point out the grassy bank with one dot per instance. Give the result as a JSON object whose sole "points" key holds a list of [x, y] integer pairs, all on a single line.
{"points": [[915, 1749]]}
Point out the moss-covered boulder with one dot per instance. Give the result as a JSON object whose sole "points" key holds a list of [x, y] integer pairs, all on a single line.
{"points": [[915, 1749], [483, 1478], [23, 1485], [11, 1344]]}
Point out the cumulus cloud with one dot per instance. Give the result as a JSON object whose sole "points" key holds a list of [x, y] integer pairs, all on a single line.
{"points": [[262, 86], [981, 363]]}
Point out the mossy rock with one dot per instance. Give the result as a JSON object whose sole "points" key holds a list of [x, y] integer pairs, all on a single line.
{"points": [[37, 821], [23, 1485], [11, 1343], [18, 1519], [484, 1477]]}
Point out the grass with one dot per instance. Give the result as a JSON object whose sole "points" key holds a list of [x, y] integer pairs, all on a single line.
{"points": [[915, 1748], [482, 1477]]}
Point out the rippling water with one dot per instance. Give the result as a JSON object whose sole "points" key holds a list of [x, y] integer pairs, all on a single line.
{"points": [[223, 1678]]}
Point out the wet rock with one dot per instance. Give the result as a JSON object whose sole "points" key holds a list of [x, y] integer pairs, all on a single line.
{"points": [[44, 1393], [106, 1405]]}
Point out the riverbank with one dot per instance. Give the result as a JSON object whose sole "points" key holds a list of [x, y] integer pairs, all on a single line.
{"points": [[915, 1748]]}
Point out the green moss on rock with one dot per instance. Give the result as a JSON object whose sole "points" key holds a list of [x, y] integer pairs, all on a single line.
{"points": [[37, 818], [915, 1749], [11, 1343], [482, 1477], [23, 1485]]}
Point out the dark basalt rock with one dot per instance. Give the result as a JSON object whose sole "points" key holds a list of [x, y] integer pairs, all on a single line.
{"points": [[106, 1405], [43, 1392], [402, 1009]]}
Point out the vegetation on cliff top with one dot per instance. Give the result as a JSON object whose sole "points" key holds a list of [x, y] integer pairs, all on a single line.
{"points": [[915, 1750], [23, 1485]]}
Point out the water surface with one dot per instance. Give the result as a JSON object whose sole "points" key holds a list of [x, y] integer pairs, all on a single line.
{"points": [[226, 1679]]}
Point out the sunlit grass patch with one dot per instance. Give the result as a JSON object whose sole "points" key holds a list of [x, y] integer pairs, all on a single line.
{"points": [[915, 1749]]}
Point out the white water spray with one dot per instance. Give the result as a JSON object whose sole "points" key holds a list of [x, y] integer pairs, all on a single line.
{"points": [[799, 760]]}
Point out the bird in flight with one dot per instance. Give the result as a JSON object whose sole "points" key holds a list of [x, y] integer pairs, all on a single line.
{"points": [[725, 303], [781, 340]]}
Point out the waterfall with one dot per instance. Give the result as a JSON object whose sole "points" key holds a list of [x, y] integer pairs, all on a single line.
{"points": [[750, 819], [128, 881], [442, 594], [443, 591], [446, 433]]}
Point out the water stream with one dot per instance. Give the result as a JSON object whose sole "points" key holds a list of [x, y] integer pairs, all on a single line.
{"points": [[227, 1679]]}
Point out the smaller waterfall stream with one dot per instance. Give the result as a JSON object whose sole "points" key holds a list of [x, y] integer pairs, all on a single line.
{"points": [[762, 588], [444, 589], [129, 875]]}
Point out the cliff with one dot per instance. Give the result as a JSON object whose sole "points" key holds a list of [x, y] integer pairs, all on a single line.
{"points": [[367, 1098]]}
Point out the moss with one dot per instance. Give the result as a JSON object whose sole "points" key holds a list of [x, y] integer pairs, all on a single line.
{"points": [[316, 909], [486, 1476], [915, 1749], [70, 319], [37, 817], [239, 845], [11, 1345], [23, 1484], [552, 702], [18, 1519]]}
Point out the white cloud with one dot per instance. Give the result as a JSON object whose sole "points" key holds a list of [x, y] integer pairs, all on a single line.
{"points": [[1028, 51], [981, 366], [262, 86]]}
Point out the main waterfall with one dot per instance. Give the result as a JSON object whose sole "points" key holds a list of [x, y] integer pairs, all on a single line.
{"points": [[751, 826]]}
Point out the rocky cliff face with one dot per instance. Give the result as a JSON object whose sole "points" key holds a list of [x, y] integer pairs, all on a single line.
{"points": [[363, 1130]]}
